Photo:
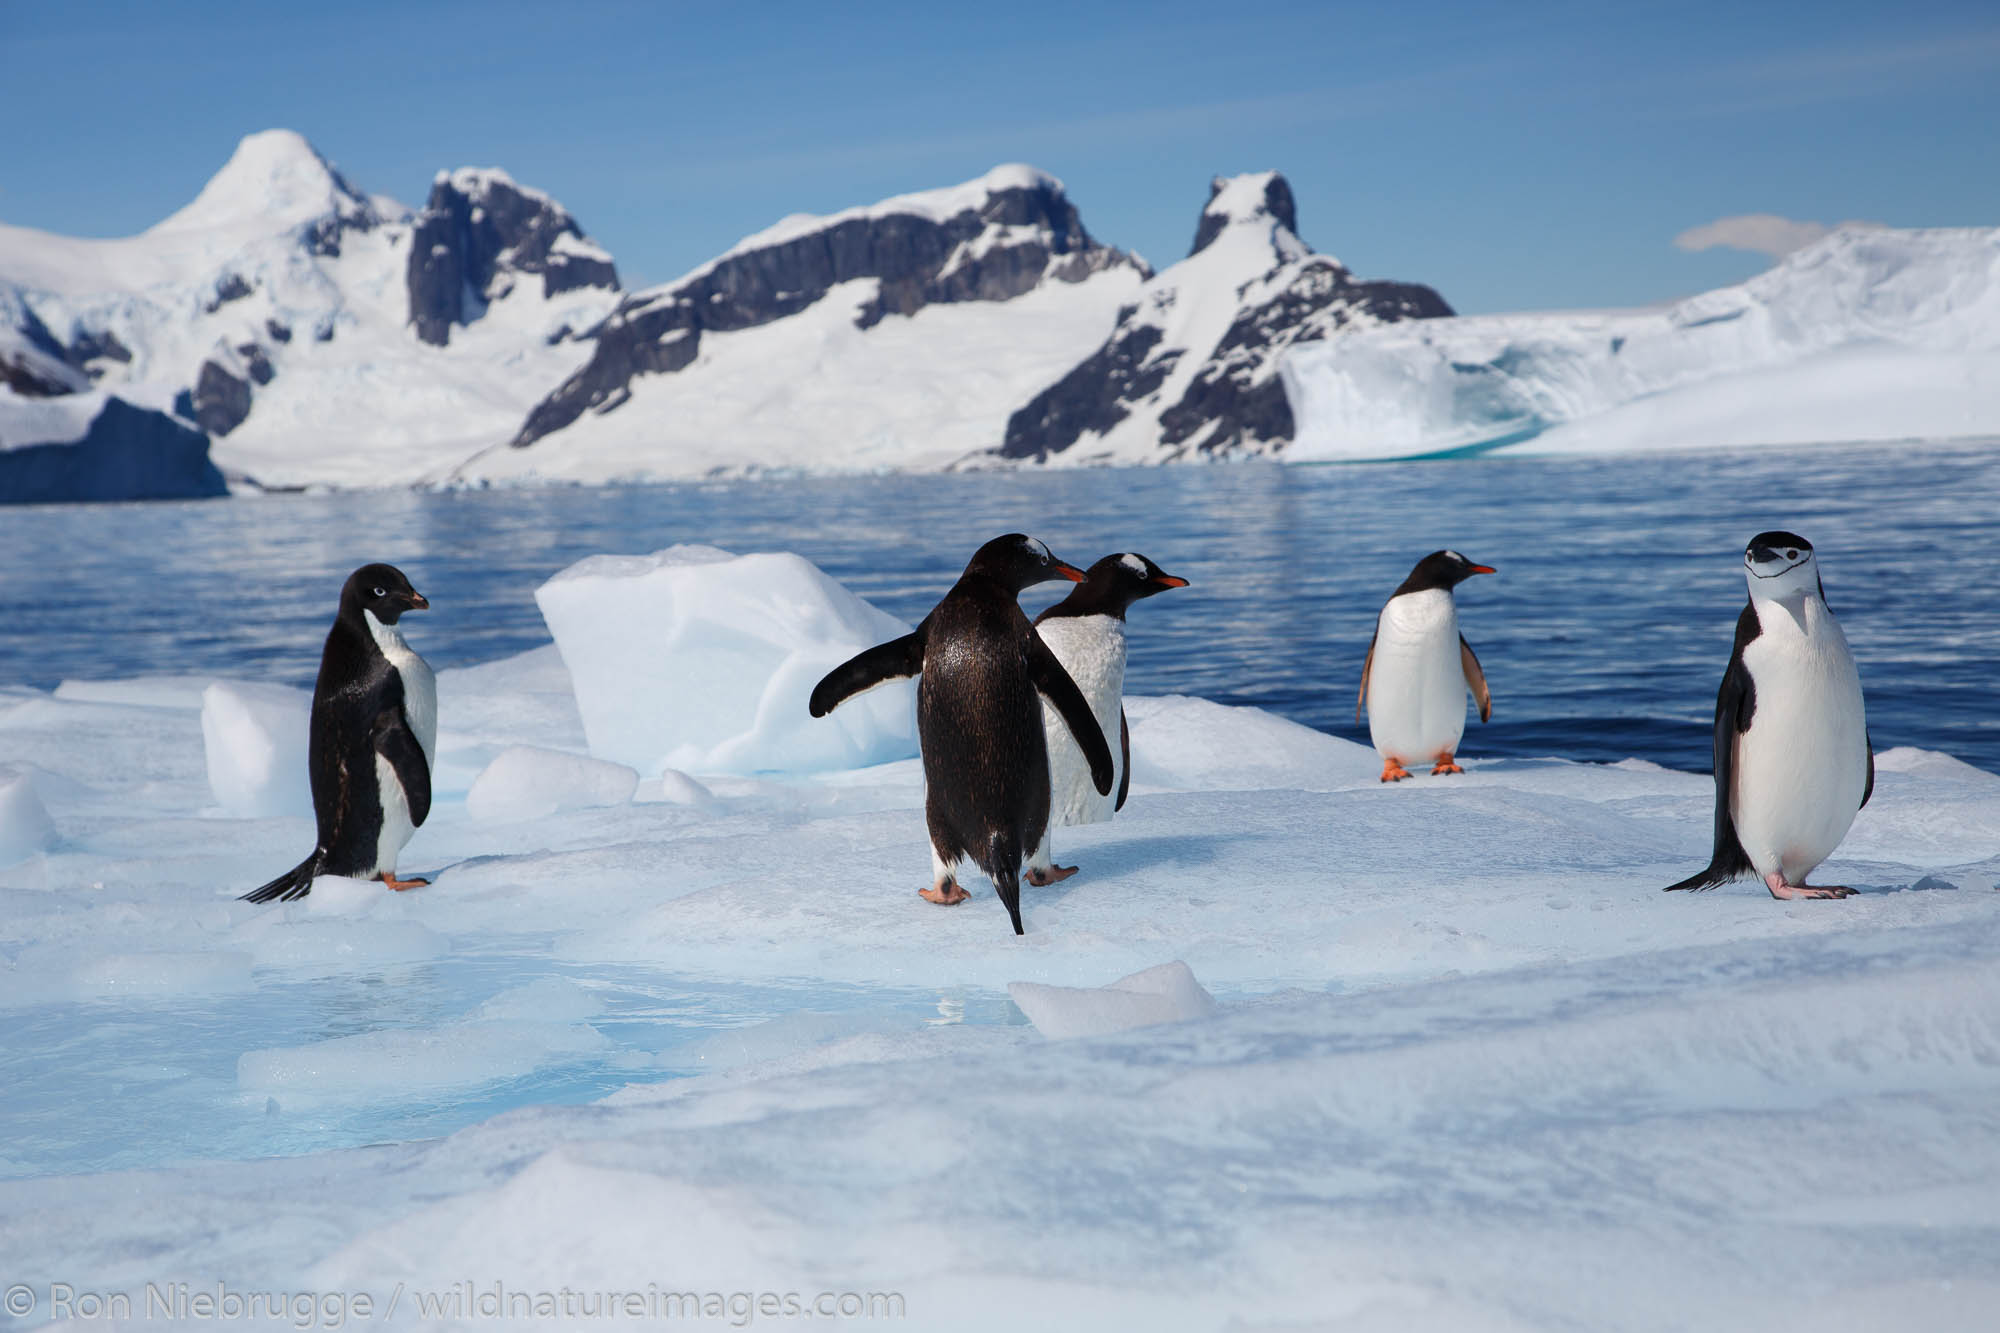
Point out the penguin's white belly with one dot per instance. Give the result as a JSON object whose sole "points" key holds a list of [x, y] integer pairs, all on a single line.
{"points": [[1802, 766], [397, 830], [1092, 650], [1416, 682], [420, 709], [420, 703]]}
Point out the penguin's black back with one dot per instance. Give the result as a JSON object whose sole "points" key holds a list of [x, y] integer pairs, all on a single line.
{"points": [[986, 764]]}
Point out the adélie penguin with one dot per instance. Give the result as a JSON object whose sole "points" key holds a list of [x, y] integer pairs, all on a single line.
{"points": [[982, 673], [372, 739], [1086, 632], [1418, 668], [1793, 762]]}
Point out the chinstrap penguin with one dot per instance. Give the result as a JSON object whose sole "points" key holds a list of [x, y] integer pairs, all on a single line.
{"points": [[1793, 761], [1414, 679], [1086, 632], [373, 739], [982, 673]]}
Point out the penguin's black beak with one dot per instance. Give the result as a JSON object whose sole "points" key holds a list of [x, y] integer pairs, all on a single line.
{"points": [[419, 602], [1169, 581]]}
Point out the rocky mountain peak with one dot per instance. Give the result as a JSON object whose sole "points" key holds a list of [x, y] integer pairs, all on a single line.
{"points": [[1258, 198], [480, 230]]}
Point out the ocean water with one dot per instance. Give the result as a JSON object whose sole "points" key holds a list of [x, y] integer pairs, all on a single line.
{"points": [[1603, 636]]}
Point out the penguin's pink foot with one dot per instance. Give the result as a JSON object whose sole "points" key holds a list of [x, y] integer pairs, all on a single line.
{"points": [[1393, 771], [1041, 879], [945, 893], [1445, 765], [1775, 882], [399, 885]]}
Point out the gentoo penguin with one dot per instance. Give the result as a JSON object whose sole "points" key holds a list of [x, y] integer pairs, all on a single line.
{"points": [[1418, 666], [1086, 632], [372, 741], [979, 720], [1793, 762]]}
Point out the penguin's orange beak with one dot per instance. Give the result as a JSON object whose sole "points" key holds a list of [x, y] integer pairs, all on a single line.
{"points": [[1482, 569], [1068, 571], [1169, 581], [419, 602]]}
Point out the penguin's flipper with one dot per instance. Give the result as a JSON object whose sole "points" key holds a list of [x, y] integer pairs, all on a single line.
{"points": [[1735, 701], [865, 670], [1868, 790], [1046, 670], [395, 742], [1367, 665], [1125, 753], [294, 883], [1468, 662]]}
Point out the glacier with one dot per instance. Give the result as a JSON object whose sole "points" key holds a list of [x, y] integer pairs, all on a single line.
{"points": [[1437, 1056], [1871, 334]]}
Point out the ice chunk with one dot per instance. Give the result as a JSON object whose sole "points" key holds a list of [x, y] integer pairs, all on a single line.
{"points": [[24, 825], [1195, 745], [696, 659], [255, 738], [527, 782], [1164, 994]]}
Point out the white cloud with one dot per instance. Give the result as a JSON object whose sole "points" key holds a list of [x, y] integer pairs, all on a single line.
{"points": [[1765, 233]]}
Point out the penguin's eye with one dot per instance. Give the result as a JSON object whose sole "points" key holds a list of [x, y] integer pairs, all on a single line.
{"points": [[1791, 555], [381, 592]]}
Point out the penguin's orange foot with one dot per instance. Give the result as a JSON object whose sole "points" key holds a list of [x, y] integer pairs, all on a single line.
{"points": [[399, 885], [1775, 882], [945, 893], [1393, 771], [1445, 765], [1041, 879]]}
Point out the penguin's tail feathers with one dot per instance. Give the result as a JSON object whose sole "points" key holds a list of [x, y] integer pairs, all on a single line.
{"points": [[293, 884], [1716, 874], [1003, 863]]}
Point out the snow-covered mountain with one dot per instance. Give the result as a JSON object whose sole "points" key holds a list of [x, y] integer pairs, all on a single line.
{"points": [[1191, 369], [897, 335], [1869, 334], [319, 335]]}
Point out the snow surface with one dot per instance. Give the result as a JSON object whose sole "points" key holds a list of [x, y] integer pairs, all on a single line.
{"points": [[939, 205], [1870, 334], [1468, 1067]]}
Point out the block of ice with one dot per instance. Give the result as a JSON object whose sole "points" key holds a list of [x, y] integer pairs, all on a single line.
{"points": [[1164, 994], [254, 736], [696, 659], [527, 782], [1194, 745], [25, 827]]}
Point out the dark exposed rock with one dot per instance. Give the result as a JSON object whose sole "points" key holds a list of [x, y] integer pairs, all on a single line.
{"points": [[478, 230], [221, 400], [1016, 238], [96, 345], [230, 287], [1235, 399], [129, 453], [254, 360], [279, 332], [22, 376]]}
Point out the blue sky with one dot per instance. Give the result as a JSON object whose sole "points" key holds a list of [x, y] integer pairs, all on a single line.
{"points": [[1513, 156]]}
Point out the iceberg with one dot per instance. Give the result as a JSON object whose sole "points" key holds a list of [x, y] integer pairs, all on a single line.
{"points": [[1869, 334]]}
